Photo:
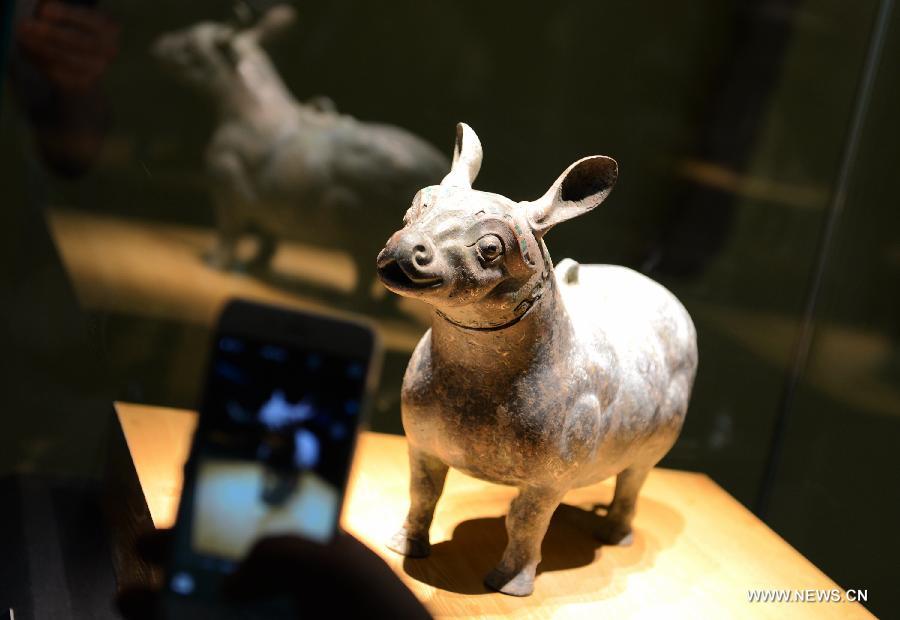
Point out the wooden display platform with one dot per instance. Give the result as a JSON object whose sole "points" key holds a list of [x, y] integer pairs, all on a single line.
{"points": [[696, 553]]}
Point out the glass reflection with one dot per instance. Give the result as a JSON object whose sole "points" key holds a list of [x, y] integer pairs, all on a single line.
{"points": [[282, 169]]}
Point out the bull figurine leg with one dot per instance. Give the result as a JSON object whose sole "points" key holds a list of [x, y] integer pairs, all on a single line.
{"points": [[231, 194], [426, 482], [223, 255], [616, 526], [527, 521]]}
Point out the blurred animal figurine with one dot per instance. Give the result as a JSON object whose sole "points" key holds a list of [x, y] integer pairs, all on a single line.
{"points": [[540, 380], [281, 168]]}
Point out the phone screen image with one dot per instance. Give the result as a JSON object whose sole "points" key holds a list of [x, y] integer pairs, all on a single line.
{"points": [[271, 455]]}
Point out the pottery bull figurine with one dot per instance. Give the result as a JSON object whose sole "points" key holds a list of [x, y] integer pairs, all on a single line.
{"points": [[282, 168], [540, 378]]}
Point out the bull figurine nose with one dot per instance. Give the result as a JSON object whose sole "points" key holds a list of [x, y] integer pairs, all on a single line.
{"points": [[422, 254], [409, 260], [416, 251]]}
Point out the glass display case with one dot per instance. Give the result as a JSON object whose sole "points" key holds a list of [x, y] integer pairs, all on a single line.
{"points": [[153, 175]]}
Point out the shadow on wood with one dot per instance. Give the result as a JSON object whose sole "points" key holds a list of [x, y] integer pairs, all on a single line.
{"points": [[460, 564]]}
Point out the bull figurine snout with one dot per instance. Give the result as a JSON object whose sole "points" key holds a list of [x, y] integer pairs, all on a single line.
{"points": [[541, 380], [408, 260]]}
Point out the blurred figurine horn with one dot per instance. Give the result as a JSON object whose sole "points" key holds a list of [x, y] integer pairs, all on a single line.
{"points": [[273, 22], [467, 156]]}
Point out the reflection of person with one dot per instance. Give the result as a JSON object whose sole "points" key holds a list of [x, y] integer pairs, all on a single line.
{"points": [[61, 53], [341, 579]]}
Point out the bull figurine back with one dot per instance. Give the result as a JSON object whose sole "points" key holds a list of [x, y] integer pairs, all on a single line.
{"points": [[542, 379]]}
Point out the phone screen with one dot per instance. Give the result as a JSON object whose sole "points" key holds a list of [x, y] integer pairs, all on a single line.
{"points": [[271, 455]]}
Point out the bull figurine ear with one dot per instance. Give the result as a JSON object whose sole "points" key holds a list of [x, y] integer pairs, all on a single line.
{"points": [[467, 156], [583, 186]]}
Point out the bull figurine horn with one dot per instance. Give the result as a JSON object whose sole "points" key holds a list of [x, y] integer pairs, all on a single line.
{"points": [[467, 156]]}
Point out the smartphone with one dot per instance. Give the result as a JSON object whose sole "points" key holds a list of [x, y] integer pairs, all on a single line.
{"points": [[284, 396]]}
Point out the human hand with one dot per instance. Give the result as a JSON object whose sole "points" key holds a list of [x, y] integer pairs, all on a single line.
{"points": [[344, 577], [72, 46]]}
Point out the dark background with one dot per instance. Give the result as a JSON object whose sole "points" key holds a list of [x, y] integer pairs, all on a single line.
{"points": [[757, 145]]}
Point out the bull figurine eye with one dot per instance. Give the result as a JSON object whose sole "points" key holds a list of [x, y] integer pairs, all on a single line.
{"points": [[489, 247]]}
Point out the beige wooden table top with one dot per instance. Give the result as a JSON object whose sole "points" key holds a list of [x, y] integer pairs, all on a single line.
{"points": [[696, 553]]}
